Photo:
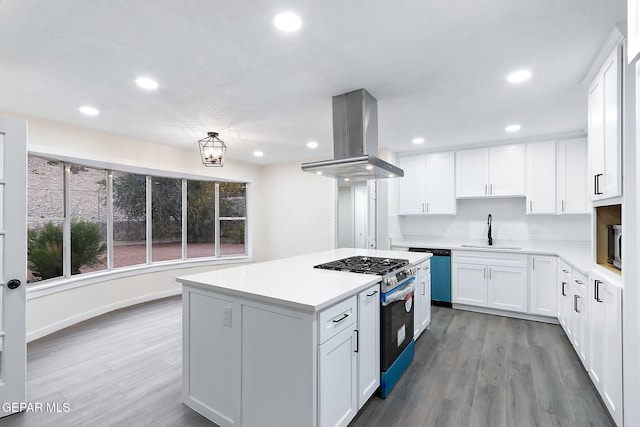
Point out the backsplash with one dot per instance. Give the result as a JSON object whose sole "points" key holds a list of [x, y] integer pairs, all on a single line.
{"points": [[509, 223]]}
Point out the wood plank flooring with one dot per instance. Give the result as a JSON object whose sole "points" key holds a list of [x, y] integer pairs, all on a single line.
{"points": [[124, 369]]}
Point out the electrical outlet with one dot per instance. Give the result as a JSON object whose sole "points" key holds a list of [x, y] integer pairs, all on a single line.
{"points": [[534, 232]]}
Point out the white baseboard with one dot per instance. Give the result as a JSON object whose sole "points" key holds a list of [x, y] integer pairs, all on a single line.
{"points": [[97, 312], [512, 314]]}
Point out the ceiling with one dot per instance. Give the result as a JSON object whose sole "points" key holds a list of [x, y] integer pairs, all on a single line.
{"points": [[437, 68]]}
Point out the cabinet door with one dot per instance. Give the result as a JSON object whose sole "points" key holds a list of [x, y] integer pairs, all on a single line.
{"points": [[507, 288], [542, 286], [572, 177], [425, 295], [411, 188], [440, 184], [605, 331], [506, 170], [541, 177], [595, 125], [472, 173], [612, 89], [580, 326], [368, 344], [337, 389], [564, 298], [469, 284]]}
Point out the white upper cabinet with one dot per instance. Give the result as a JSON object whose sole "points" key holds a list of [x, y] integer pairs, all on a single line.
{"points": [[428, 185], [572, 174], [633, 29], [541, 177], [605, 128], [490, 172]]}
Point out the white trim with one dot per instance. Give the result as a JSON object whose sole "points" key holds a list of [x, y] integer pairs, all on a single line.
{"points": [[97, 312], [503, 313], [614, 38], [53, 286]]}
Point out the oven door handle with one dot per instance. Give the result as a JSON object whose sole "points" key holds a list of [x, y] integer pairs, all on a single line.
{"points": [[398, 294]]}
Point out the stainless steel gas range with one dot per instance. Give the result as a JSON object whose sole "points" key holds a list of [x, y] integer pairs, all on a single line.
{"points": [[397, 286]]}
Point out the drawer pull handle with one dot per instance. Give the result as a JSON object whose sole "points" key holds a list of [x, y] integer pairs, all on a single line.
{"points": [[372, 294], [565, 271], [579, 282], [344, 316]]}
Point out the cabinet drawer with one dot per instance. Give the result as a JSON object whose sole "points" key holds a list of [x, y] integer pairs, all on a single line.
{"points": [[565, 268], [337, 318], [498, 259], [580, 281]]}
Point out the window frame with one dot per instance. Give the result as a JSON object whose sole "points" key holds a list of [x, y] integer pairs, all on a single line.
{"points": [[149, 266]]}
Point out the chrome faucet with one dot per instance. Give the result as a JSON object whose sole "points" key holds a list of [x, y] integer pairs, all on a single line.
{"points": [[489, 233]]}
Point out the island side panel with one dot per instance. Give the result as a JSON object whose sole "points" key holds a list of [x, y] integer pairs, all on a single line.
{"points": [[211, 355], [278, 367]]}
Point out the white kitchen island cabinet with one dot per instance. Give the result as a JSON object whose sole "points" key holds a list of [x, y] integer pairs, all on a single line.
{"points": [[281, 343]]}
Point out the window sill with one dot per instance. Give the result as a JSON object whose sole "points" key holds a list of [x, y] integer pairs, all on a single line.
{"points": [[37, 290]]}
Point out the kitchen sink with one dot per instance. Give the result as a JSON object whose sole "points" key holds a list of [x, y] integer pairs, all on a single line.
{"points": [[491, 247]]}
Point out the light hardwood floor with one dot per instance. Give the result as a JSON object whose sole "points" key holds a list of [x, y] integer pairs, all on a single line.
{"points": [[124, 369]]}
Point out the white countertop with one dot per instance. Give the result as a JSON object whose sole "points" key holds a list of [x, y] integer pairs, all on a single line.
{"points": [[576, 253], [293, 282]]}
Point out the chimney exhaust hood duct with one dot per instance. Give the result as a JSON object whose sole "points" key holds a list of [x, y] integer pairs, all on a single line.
{"points": [[355, 141]]}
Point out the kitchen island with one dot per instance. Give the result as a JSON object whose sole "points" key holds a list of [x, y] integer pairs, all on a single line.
{"points": [[281, 343]]}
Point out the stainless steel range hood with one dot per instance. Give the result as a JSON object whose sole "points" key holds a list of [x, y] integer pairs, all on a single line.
{"points": [[355, 141]]}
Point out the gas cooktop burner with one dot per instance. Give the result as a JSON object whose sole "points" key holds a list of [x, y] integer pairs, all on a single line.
{"points": [[364, 264]]}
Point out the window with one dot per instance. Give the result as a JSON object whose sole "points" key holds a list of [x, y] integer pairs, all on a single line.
{"points": [[101, 217], [88, 213], [166, 218], [201, 217], [233, 212], [45, 212], [129, 219]]}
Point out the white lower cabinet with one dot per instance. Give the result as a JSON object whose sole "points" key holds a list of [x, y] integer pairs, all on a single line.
{"points": [[564, 297], [605, 366], [542, 285], [422, 308], [579, 318], [492, 280], [368, 343], [337, 382]]}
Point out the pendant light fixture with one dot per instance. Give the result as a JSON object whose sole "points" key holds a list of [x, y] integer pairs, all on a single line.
{"points": [[212, 150]]}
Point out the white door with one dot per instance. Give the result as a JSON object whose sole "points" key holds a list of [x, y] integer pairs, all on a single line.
{"points": [[469, 284], [542, 285], [507, 288], [411, 188], [361, 217], [13, 262], [541, 177], [506, 170], [572, 176], [440, 184], [471, 173]]}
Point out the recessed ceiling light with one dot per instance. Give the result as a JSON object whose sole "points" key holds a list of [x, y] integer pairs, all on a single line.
{"points": [[519, 76], [512, 128], [319, 173], [312, 144], [89, 111], [288, 22], [346, 179], [258, 153], [368, 167], [147, 83], [418, 140]]}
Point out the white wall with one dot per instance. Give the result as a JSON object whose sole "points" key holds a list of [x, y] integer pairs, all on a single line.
{"points": [[297, 212], [47, 312], [509, 223]]}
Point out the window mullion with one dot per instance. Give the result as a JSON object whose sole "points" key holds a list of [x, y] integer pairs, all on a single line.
{"points": [[216, 208], [109, 220], [66, 225], [148, 217], [184, 219]]}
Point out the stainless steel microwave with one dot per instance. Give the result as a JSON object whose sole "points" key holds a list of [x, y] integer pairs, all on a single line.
{"points": [[614, 253]]}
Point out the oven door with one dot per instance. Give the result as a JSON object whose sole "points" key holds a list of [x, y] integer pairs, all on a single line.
{"points": [[396, 322]]}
